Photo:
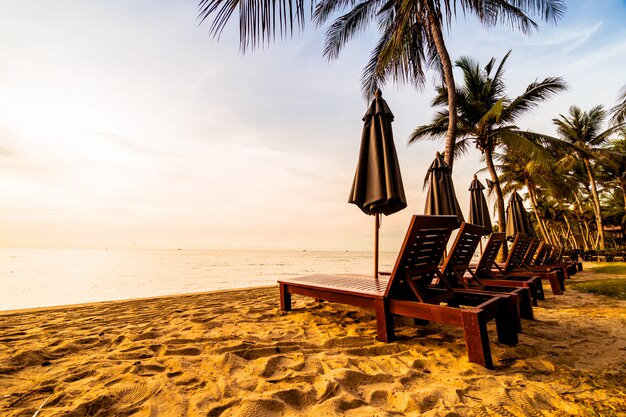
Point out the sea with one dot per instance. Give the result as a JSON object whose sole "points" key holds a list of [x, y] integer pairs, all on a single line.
{"points": [[31, 278]]}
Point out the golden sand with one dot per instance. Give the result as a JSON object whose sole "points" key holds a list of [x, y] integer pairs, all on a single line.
{"points": [[234, 353]]}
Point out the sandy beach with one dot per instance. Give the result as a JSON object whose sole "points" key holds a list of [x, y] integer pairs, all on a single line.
{"points": [[234, 353]]}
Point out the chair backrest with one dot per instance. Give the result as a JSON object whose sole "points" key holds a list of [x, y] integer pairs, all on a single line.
{"points": [[490, 253], [542, 254], [530, 253], [461, 254], [516, 252], [419, 256], [555, 256]]}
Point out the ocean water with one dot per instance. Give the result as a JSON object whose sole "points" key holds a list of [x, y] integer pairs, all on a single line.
{"points": [[51, 277]]}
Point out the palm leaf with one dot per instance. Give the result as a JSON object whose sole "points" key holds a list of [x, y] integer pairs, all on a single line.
{"points": [[346, 27], [535, 93], [259, 20]]}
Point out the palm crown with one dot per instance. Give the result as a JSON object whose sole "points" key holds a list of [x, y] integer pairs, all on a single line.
{"points": [[487, 116]]}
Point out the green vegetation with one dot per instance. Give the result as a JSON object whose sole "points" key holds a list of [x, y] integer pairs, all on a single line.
{"points": [[615, 268], [610, 287]]}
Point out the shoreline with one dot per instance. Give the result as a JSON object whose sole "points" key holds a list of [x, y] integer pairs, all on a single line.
{"points": [[125, 300], [233, 353]]}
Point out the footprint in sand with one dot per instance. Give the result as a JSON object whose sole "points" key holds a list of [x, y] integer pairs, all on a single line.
{"points": [[185, 351], [277, 367], [134, 393], [141, 369]]}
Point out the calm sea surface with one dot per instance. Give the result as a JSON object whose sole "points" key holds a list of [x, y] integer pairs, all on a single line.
{"points": [[50, 277]]}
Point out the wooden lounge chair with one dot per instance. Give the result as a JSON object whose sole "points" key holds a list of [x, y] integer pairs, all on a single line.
{"points": [[532, 251], [542, 253], [457, 263], [515, 265], [554, 260], [406, 292], [486, 272], [541, 264]]}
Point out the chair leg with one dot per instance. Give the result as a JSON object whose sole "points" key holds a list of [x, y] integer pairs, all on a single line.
{"points": [[555, 283], [538, 288], [507, 324], [476, 339], [384, 322], [285, 298], [526, 305], [513, 306]]}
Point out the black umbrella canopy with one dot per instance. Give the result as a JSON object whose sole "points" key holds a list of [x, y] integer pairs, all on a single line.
{"points": [[479, 210], [517, 219], [377, 187], [441, 198]]}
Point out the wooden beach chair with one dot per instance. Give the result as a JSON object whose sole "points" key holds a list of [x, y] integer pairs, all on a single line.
{"points": [[532, 251], [515, 264], [543, 263], [555, 260], [407, 292], [457, 263], [543, 251], [486, 272]]}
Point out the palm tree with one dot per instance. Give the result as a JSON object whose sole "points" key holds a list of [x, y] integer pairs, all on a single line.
{"points": [[614, 166], [619, 111], [487, 117], [582, 131], [520, 170], [411, 32]]}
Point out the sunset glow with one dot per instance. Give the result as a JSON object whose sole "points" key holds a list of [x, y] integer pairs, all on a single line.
{"points": [[123, 124]]}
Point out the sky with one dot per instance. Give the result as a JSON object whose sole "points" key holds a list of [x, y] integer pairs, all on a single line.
{"points": [[125, 125]]}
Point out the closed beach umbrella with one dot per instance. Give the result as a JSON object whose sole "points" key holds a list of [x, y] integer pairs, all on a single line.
{"points": [[377, 187], [441, 198], [517, 219], [479, 211]]}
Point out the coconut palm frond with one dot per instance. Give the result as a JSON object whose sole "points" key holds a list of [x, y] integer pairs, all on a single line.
{"points": [[433, 131], [535, 93], [346, 27], [325, 9], [618, 112], [259, 20]]}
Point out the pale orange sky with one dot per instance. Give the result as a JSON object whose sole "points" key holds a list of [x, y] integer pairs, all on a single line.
{"points": [[124, 125]]}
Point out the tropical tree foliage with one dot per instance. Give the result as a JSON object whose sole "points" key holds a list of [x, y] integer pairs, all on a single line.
{"points": [[487, 117], [583, 131], [561, 193], [411, 32], [619, 111]]}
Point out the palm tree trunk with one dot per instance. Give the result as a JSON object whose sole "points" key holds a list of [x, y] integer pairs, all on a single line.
{"points": [[448, 77], [499, 198], [622, 184], [584, 234], [580, 218], [570, 233], [596, 203], [533, 202]]}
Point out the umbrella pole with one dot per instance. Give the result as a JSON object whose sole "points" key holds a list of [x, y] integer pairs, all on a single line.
{"points": [[481, 245], [376, 227]]}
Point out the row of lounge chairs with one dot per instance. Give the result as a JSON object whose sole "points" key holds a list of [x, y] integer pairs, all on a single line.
{"points": [[454, 292]]}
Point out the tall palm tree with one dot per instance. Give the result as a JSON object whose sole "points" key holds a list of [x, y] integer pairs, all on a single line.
{"points": [[411, 31], [582, 131], [520, 170], [619, 110], [614, 159], [487, 116]]}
